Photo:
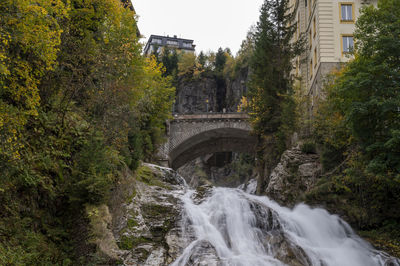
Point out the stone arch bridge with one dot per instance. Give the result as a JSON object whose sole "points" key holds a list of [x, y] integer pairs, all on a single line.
{"points": [[191, 136]]}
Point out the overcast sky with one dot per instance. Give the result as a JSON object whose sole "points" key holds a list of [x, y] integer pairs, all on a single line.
{"points": [[210, 23]]}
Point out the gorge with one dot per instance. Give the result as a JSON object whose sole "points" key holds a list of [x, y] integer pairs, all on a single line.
{"points": [[272, 162], [159, 220]]}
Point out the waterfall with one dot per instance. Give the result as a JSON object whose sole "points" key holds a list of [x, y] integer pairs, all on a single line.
{"points": [[232, 227]]}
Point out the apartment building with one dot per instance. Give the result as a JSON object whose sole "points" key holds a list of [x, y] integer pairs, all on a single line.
{"points": [[328, 26], [157, 42]]}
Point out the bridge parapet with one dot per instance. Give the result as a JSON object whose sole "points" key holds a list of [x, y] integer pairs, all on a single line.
{"points": [[208, 116]]}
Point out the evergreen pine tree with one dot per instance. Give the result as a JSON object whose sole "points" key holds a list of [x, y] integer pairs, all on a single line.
{"points": [[270, 87], [220, 60], [202, 59]]}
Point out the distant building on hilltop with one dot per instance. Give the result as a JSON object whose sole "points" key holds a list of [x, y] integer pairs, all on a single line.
{"points": [[158, 42]]}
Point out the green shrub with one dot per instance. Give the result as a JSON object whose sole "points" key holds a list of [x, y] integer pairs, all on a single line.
{"points": [[308, 147], [331, 157]]}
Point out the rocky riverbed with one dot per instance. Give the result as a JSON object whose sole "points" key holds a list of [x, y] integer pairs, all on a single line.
{"points": [[154, 218]]}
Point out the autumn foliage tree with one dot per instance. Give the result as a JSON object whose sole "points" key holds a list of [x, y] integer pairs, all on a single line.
{"points": [[30, 36], [78, 104]]}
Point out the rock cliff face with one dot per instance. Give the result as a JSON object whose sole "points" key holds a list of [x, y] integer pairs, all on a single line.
{"points": [[296, 174], [235, 89], [192, 95], [140, 226]]}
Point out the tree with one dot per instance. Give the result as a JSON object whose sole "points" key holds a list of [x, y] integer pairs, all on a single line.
{"points": [[246, 50], [78, 103], [29, 38], [170, 61], [367, 92], [202, 59], [358, 124], [220, 60], [188, 66], [270, 88]]}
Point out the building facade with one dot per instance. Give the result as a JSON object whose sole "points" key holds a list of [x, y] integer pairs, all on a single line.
{"points": [[328, 26], [158, 42]]}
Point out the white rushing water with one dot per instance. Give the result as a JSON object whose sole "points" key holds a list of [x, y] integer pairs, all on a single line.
{"points": [[246, 230]]}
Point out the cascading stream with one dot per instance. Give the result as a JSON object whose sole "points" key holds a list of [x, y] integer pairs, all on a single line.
{"points": [[232, 227]]}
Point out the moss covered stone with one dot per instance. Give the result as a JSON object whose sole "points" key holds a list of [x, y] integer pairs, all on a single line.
{"points": [[146, 175], [159, 218], [132, 223], [129, 242]]}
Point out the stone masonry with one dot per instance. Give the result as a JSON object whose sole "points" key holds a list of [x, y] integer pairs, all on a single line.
{"points": [[190, 136]]}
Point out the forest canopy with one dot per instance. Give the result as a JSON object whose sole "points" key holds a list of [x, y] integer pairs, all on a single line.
{"points": [[78, 103]]}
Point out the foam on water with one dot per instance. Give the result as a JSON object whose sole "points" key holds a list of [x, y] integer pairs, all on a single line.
{"points": [[238, 226]]}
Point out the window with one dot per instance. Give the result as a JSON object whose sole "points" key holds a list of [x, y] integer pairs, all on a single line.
{"points": [[346, 12], [158, 41], [311, 69], [310, 38], [347, 43], [187, 45], [175, 43]]}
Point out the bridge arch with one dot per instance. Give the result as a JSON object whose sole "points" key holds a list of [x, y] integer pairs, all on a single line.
{"points": [[191, 136]]}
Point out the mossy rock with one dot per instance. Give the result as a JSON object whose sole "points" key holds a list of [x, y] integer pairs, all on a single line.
{"points": [[131, 195], [143, 254], [202, 192], [129, 242], [155, 210], [132, 223], [146, 175], [383, 240], [154, 213]]}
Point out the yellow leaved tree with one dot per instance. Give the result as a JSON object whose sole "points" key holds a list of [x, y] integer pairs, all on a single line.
{"points": [[29, 38]]}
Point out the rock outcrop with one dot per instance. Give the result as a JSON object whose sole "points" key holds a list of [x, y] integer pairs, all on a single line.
{"points": [[194, 172], [231, 173], [141, 224], [154, 219], [235, 89], [206, 94], [208, 256], [192, 96], [296, 174]]}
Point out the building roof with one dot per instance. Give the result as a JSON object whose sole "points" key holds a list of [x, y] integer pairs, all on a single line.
{"points": [[169, 38]]}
